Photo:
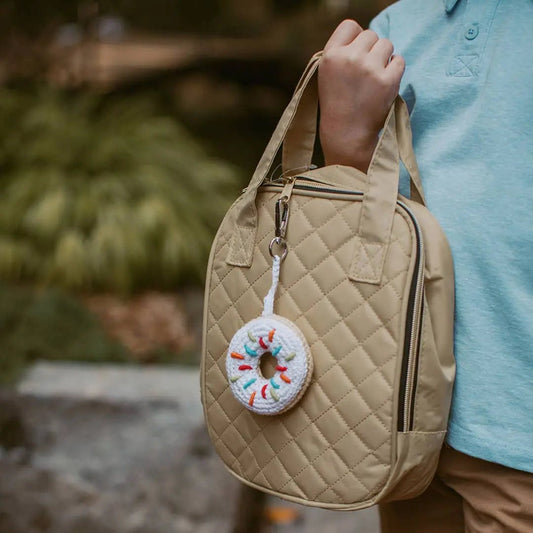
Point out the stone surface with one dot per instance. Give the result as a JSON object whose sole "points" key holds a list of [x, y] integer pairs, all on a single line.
{"points": [[116, 383], [112, 449], [118, 449]]}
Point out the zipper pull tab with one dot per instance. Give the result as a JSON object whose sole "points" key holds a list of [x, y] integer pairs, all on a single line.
{"points": [[282, 217], [287, 189], [282, 208]]}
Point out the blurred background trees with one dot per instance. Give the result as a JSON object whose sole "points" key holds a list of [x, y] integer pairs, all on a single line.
{"points": [[126, 129]]}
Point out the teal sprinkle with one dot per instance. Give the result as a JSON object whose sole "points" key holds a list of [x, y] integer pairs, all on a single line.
{"points": [[248, 383], [275, 351], [290, 357], [273, 383], [251, 337], [235, 378], [250, 352]]}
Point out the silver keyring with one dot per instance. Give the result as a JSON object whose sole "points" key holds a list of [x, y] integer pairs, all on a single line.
{"points": [[282, 243]]}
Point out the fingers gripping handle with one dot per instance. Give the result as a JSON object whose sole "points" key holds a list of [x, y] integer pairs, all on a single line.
{"points": [[300, 139]]}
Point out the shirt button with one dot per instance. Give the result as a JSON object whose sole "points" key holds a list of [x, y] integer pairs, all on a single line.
{"points": [[472, 31]]}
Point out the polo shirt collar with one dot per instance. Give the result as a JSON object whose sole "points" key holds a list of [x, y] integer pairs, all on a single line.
{"points": [[449, 5]]}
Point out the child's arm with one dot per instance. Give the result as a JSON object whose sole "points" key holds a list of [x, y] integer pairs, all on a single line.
{"points": [[357, 84]]}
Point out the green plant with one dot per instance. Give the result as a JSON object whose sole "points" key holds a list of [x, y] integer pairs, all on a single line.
{"points": [[103, 194], [49, 324]]}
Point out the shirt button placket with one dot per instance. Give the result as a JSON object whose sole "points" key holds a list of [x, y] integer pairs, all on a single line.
{"points": [[474, 22]]}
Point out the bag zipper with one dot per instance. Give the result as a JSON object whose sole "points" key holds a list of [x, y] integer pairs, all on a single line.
{"points": [[413, 327]]}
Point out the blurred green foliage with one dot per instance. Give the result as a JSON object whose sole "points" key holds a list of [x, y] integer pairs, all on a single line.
{"points": [[51, 325], [104, 194]]}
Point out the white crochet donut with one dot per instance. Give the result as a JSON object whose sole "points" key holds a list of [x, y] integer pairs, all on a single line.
{"points": [[280, 337]]}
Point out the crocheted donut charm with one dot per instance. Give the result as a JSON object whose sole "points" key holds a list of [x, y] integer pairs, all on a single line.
{"points": [[280, 337]]}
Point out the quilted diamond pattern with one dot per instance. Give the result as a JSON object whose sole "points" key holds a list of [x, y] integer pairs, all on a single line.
{"points": [[323, 448]]}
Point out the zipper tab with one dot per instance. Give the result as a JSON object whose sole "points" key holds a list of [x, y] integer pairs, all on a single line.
{"points": [[287, 189], [282, 217]]}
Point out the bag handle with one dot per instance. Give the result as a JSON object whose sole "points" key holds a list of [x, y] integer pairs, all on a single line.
{"points": [[298, 146], [245, 222], [379, 201], [299, 143]]}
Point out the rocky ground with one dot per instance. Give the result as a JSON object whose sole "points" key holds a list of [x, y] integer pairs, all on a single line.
{"points": [[110, 449], [117, 449]]}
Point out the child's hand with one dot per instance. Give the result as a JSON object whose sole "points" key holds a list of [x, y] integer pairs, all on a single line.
{"points": [[357, 83]]}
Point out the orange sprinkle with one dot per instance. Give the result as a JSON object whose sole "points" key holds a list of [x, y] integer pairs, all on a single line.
{"points": [[285, 378], [251, 402], [236, 355], [271, 335]]}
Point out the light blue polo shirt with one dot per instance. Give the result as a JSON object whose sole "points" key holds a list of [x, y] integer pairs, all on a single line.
{"points": [[469, 86]]}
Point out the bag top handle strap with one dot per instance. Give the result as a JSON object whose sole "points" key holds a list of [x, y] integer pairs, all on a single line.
{"points": [[407, 154], [378, 207], [300, 139], [245, 228], [299, 143]]}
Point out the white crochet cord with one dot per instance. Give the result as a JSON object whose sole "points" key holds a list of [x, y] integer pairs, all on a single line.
{"points": [[268, 308], [280, 338]]}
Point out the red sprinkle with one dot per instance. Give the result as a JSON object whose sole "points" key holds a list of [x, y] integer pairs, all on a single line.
{"points": [[281, 368], [271, 335], [262, 343], [263, 390], [285, 378], [245, 367], [251, 402]]}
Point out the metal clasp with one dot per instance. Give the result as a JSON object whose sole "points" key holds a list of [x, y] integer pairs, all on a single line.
{"points": [[281, 220]]}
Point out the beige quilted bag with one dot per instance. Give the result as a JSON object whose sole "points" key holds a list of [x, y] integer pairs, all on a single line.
{"points": [[367, 282]]}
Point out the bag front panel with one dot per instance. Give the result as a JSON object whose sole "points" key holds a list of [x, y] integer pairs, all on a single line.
{"points": [[336, 446]]}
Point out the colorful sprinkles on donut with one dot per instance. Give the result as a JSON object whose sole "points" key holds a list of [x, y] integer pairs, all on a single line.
{"points": [[280, 338], [254, 353]]}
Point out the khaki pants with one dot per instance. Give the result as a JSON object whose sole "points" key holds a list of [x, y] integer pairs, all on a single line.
{"points": [[467, 495]]}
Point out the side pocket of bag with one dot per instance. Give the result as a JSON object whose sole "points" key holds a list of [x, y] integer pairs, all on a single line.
{"points": [[417, 454], [435, 376]]}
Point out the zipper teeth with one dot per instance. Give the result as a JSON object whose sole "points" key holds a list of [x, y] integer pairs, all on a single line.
{"points": [[409, 376], [415, 329], [327, 189], [410, 426], [408, 370]]}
